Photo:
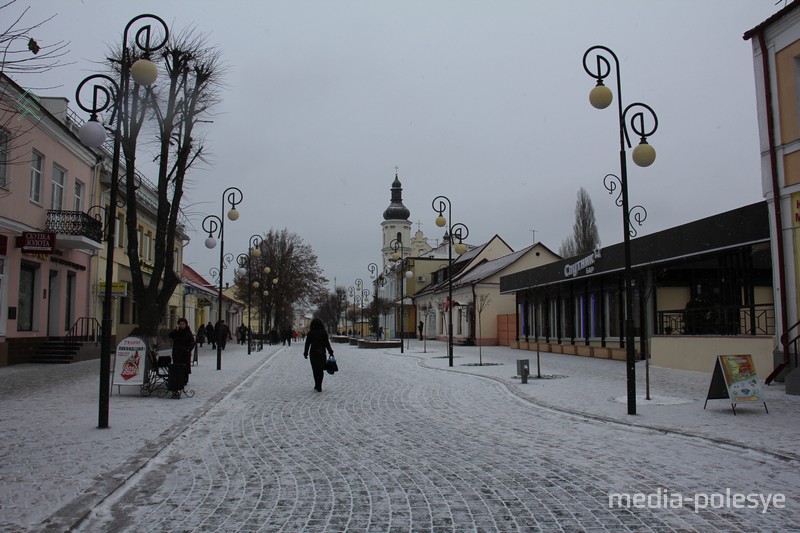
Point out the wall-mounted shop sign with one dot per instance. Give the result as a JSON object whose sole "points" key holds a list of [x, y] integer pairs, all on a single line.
{"points": [[586, 264], [37, 242], [119, 289]]}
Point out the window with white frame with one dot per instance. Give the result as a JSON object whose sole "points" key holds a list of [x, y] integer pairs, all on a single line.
{"points": [[57, 189], [5, 149], [37, 165], [77, 199], [120, 233], [148, 246]]}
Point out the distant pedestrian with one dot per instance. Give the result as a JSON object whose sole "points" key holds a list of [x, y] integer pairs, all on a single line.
{"points": [[420, 328], [286, 333], [201, 335], [182, 346], [317, 344], [211, 335], [243, 334], [223, 334]]}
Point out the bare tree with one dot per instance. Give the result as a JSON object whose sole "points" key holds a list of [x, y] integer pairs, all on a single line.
{"points": [[585, 236], [179, 104], [330, 308], [294, 265], [21, 54], [21, 51], [482, 302], [379, 307]]}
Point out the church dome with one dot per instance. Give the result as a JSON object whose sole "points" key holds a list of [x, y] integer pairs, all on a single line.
{"points": [[396, 209]]}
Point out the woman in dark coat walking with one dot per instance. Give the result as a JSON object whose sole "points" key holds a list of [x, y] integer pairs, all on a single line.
{"points": [[317, 343], [182, 346], [211, 335], [201, 335]]}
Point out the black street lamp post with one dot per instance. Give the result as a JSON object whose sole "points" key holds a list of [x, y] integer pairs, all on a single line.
{"points": [[402, 263], [355, 292], [263, 307], [364, 299], [379, 281], [93, 134], [454, 231], [643, 155], [216, 224], [245, 259]]}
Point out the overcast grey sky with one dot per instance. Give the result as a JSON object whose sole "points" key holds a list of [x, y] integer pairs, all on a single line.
{"points": [[483, 101]]}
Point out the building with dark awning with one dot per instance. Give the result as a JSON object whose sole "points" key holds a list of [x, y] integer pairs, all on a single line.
{"points": [[700, 289]]}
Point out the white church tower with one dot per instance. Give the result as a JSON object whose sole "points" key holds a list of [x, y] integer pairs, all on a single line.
{"points": [[395, 220]]}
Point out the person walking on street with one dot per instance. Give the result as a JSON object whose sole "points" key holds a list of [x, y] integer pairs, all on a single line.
{"points": [[211, 335], [200, 337], [317, 343], [223, 334], [182, 346]]}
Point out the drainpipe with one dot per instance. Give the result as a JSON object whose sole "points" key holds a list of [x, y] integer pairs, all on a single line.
{"points": [[773, 163]]}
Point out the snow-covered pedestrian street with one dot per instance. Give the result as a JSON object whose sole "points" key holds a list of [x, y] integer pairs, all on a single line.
{"points": [[395, 442]]}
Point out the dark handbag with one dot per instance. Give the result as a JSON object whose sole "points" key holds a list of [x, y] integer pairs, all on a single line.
{"points": [[330, 365]]}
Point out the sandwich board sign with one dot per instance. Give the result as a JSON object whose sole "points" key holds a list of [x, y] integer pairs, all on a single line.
{"points": [[735, 379], [129, 362]]}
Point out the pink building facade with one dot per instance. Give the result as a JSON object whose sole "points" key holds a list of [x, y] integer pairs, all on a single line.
{"points": [[48, 183]]}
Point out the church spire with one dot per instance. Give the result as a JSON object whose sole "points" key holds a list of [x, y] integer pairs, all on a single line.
{"points": [[396, 209]]}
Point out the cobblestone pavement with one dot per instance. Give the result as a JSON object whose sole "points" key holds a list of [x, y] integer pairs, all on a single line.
{"points": [[392, 446]]}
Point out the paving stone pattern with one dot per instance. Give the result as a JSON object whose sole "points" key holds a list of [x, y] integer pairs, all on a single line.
{"points": [[391, 446]]}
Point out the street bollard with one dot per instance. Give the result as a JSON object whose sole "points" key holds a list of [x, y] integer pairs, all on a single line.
{"points": [[524, 374]]}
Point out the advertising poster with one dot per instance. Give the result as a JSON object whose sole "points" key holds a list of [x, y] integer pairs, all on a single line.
{"points": [[129, 362], [741, 378], [735, 379]]}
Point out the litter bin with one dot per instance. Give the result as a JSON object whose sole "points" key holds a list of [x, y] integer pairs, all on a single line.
{"points": [[522, 363]]}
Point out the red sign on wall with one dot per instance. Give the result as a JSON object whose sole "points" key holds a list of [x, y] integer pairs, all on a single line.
{"points": [[40, 242]]}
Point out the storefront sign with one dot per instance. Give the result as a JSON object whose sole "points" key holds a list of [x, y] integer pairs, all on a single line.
{"points": [[587, 264], [37, 242], [119, 289]]}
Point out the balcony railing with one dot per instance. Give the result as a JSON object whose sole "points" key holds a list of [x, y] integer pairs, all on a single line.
{"points": [[75, 223], [718, 320]]}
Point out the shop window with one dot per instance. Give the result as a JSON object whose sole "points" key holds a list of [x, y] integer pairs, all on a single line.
{"points": [[123, 310], [27, 301], [69, 316]]}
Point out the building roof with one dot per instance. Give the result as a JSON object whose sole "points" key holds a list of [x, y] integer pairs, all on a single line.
{"points": [[489, 268], [777, 16], [191, 274], [396, 209], [733, 229], [199, 283]]}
